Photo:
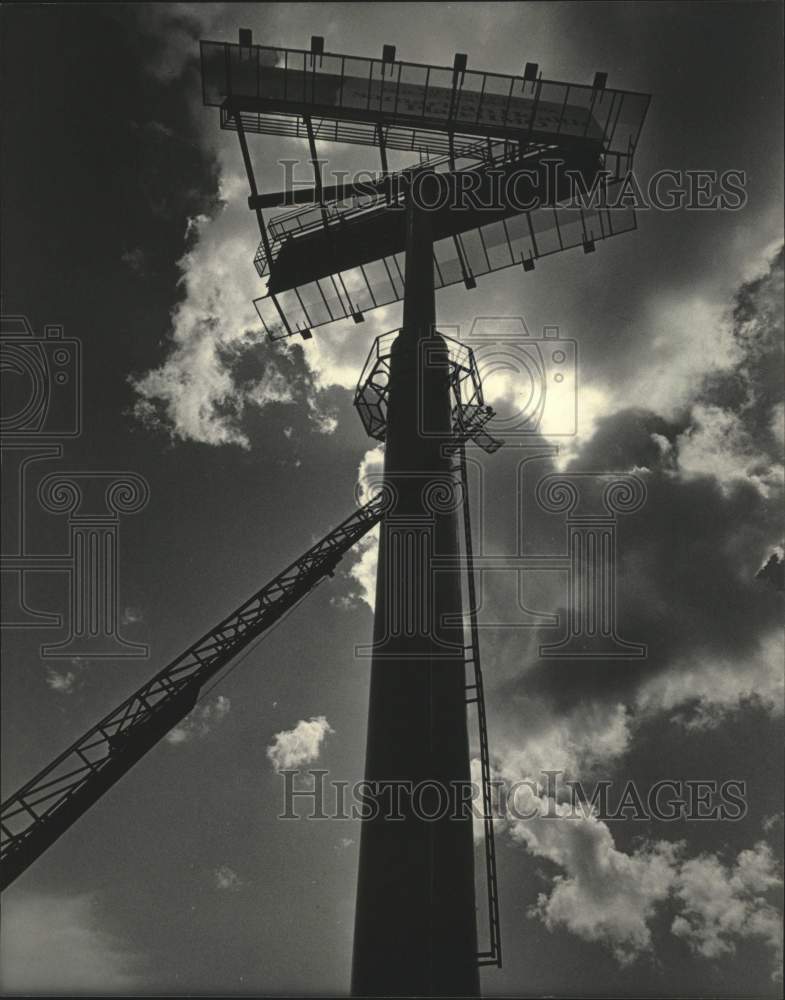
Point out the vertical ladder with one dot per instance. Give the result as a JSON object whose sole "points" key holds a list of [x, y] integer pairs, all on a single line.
{"points": [[475, 694]]}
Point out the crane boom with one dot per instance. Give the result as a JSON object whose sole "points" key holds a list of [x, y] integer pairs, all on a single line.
{"points": [[41, 810]]}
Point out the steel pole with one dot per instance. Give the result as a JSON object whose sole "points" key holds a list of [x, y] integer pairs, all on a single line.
{"points": [[415, 924]]}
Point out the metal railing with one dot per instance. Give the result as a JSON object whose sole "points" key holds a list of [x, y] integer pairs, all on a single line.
{"points": [[264, 78]]}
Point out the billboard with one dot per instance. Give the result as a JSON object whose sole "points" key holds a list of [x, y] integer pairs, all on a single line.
{"points": [[291, 82], [516, 241]]}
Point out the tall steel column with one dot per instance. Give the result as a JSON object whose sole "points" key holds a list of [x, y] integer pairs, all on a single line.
{"points": [[415, 925]]}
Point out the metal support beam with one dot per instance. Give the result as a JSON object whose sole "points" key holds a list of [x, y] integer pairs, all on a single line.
{"points": [[47, 805], [382, 148], [259, 216], [317, 173], [252, 184]]}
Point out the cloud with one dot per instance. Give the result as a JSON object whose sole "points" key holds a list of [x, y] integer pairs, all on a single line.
{"points": [[773, 570], [62, 681], [293, 747], [707, 689], [778, 423], [735, 421], [606, 896], [192, 394], [722, 904], [226, 879], [698, 570], [686, 340], [53, 944], [363, 570], [722, 359], [612, 897], [66, 681], [602, 894], [589, 736], [688, 583], [717, 444], [366, 551], [219, 369], [200, 722]]}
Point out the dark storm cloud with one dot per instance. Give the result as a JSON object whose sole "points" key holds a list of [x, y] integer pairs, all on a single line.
{"points": [[754, 389], [167, 151], [165, 36], [689, 560]]}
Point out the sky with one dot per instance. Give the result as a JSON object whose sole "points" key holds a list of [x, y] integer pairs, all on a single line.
{"points": [[124, 220]]}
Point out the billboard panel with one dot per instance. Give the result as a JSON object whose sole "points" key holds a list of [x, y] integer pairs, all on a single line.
{"points": [[526, 237], [268, 81]]}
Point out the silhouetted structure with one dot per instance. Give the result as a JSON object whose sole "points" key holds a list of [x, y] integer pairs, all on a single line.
{"points": [[352, 248]]}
